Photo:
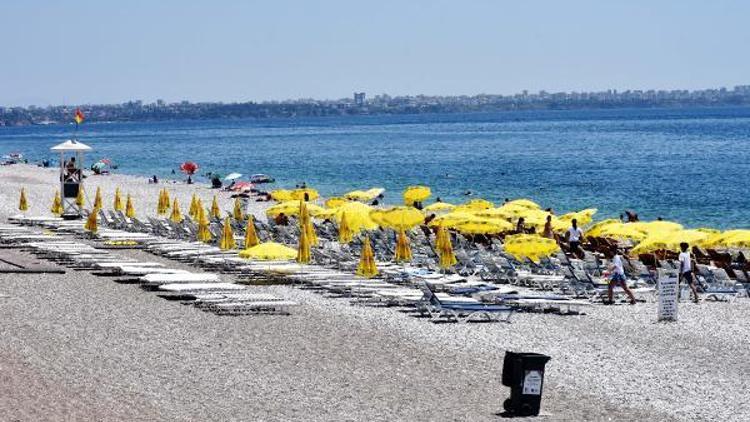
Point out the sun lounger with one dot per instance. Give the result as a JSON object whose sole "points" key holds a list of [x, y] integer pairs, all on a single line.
{"points": [[463, 312]]}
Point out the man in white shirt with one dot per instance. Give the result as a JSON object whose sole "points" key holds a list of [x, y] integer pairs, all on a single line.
{"points": [[617, 278], [686, 269], [575, 236]]}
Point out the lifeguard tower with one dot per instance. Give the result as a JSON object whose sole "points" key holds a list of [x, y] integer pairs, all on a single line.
{"points": [[71, 175]]}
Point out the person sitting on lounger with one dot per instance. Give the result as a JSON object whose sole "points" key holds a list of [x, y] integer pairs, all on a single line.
{"points": [[618, 279], [521, 226], [686, 269], [281, 219]]}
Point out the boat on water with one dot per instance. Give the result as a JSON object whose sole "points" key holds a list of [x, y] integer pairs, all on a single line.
{"points": [[261, 178], [12, 158]]}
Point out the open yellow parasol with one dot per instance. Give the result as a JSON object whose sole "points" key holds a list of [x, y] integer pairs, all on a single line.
{"points": [[452, 219], [414, 194], [251, 237], [530, 246], [397, 218], [523, 203], [269, 251], [629, 231], [438, 207], [475, 205], [596, 229], [670, 241], [367, 267], [227, 241], [484, 226], [729, 239], [364, 195], [23, 204], [335, 202], [292, 208]]}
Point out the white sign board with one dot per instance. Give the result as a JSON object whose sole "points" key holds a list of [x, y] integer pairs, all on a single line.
{"points": [[532, 383], [668, 291]]}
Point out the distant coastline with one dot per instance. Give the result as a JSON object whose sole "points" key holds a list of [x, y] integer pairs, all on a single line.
{"points": [[383, 104]]}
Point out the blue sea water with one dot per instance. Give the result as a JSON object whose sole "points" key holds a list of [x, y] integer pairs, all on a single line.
{"points": [[690, 165]]}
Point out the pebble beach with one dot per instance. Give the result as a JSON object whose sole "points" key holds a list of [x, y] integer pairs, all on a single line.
{"points": [[81, 347]]}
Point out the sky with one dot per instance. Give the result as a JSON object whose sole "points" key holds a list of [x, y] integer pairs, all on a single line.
{"points": [[93, 52]]}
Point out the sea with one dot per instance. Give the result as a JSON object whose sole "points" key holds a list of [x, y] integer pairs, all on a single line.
{"points": [[691, 165]]}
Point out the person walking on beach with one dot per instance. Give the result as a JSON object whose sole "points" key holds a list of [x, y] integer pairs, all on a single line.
{"points": [[686, 270], [618, 279], [575, 236], [548, 233]]}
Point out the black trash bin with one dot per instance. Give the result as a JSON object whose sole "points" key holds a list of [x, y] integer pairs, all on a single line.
{"points": [[524, 374]]}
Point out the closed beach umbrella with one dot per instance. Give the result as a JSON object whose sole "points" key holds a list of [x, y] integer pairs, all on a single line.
{"points": [[367, 267], [57, 208], [129, 208], [269, 251], [306, 224], [403, 250], [167, 201], [117, 205], [215, 211], [441, 237], [23, 204], [91, 222], [176, 215], [227, 241], [303, 247], [237, 212], [345, 232], [445, 251], [98, 198], [80, 198], [204, 234], [414, 194], [193, 210], [251, 237], [530, 246]]}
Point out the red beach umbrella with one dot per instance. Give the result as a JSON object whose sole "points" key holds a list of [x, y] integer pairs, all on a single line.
{"points": [[189, 167]]}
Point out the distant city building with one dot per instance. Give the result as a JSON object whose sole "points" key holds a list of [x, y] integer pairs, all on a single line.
{"points": [[359, 99]]}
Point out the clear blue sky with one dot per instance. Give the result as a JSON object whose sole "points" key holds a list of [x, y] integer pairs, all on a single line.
{"points": [[214, 50]]}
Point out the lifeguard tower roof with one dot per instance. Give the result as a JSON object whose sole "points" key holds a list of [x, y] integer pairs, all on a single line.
{"points": [[71, 145]]}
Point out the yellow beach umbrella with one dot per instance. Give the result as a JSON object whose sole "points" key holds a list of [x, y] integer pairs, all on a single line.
{"points": [[403, 250], [237, 212], [523, 203], [306, 224], [357, 216], [438, 207], [215, 210], [397, 218], [303, 247], [583, 217], [484, 226], [299, 194], [657, 226], [117, 204], [23, 204], [445, 251], [364, 195], [335, 202], [251, 237], [227, 241], [345, 232], [414, 194], [670, 241], [269, 251], [80, 198], [530, 246], [204, 234], [367, 267], [91, 221], [98, 198], [730, 239], [176, 215], [452, 219], [441, 237], [129, 208], [281, 195], [292, 208], [475, 205], [623, 231], [57, 207], [193, 210], [596, 228]]}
